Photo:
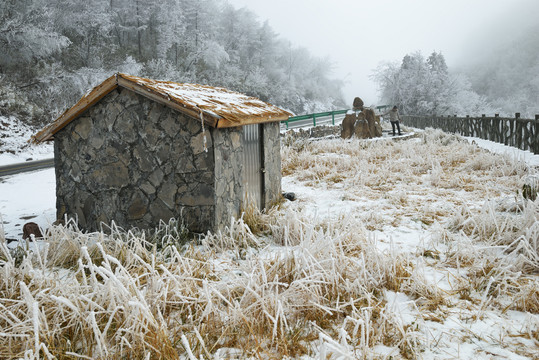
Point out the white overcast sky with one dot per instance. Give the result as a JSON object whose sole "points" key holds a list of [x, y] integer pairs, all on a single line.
{"points": [[358, 34]]}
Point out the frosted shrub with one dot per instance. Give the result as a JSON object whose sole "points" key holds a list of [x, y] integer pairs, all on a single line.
{"points": [[236, 236], [15, 102], [438, 136], [530, 188]]}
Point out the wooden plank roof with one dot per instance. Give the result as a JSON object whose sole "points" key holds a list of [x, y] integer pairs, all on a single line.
{"points": [[217, 107]]}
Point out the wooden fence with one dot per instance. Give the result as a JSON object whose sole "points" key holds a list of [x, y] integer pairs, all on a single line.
{"points": [[516, 132]]}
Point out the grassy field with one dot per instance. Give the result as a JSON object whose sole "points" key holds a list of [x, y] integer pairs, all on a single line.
{"points": [[420, 248]]}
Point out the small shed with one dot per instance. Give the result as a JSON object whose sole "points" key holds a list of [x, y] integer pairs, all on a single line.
{"points": [[138, 151]]}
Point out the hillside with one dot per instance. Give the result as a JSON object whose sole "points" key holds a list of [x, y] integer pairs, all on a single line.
{"points": [[49, 59], [14, 145]]}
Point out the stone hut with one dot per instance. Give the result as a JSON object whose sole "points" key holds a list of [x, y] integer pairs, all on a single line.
{"points": [[138, 151]]}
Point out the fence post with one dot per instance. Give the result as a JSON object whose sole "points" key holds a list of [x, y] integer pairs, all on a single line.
{"points": [[518, 132], [496, 123], [314, 120], [492, 129], [511, 132], [535, 135], [506, 127], [482, 133], [443, 122], [333, 118], [488, 129]]}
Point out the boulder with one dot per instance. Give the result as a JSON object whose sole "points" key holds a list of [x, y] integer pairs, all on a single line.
{"points": [[375, 128], [30, 229], [358, 104], [363, 122], [289, 196], [347, 129], [378, 126], [361, 128]]}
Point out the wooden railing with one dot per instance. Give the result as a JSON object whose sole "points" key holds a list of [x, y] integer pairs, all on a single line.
{"points": [[516, 132]]}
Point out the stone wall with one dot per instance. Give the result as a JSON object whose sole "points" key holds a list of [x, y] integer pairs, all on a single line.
{"points": [[272, 163], [228, 174], [134, 161], [315, 132]]}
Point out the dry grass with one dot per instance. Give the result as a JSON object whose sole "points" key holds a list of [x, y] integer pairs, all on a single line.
{"points": [[129, 298], [289, 283]]}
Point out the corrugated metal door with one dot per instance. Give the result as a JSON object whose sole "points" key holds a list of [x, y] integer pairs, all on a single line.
{"points": [[253, 164]]}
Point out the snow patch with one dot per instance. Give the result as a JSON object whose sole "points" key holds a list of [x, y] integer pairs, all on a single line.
{"points": [[14, 146]]}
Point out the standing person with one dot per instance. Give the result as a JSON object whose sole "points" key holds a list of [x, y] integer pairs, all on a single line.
{"points": [[394, 118]]}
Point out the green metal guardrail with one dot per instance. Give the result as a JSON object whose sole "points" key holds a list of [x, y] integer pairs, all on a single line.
{"points": [[314, 116], [382, 108]]}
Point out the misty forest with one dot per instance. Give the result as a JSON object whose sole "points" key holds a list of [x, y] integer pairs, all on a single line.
{"points": [[426, 86], [53, 51]]}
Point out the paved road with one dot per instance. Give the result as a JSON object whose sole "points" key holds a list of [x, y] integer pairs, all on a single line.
{"points": [[26, 166]]}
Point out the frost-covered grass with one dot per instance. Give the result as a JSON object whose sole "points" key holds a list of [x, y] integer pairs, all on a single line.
{"points": [[423, 248]]}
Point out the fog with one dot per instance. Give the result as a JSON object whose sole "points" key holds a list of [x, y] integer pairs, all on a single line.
{"points": [[326, 52], [359, 35]]}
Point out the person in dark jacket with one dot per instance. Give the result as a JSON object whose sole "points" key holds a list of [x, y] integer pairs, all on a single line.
{"points": [[394, 118]]}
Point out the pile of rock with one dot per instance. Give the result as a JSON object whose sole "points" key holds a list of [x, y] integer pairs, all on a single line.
{"points": [[361, 122], [319, 131]]}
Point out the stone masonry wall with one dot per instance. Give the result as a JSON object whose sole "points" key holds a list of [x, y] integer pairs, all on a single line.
{"points": [[315, 132], [228, 174], [272, 163], [136, 162]]}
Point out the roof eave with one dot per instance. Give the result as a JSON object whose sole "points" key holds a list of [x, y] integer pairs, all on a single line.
{"points": [[84, 103], [124, 81], [225, 123]]}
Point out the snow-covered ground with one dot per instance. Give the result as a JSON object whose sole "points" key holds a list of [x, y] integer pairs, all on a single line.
{"points": [[14, 145], [398, 227], [404, 222], [26, 197], [528, 157]]}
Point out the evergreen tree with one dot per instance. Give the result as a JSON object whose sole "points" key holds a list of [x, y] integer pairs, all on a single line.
{"points": [[422, 86]]}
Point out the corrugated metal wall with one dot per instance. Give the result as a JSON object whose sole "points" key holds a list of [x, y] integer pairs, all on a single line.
{"points": [[253, 163]]}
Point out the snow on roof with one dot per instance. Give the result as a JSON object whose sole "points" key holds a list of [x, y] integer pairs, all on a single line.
{"points": [[224, 103], [217, 107]]}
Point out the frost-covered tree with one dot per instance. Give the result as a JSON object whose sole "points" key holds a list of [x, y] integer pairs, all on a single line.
{"points": [[88, 25], [426, 87], [68, 46], [27, 34]]}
